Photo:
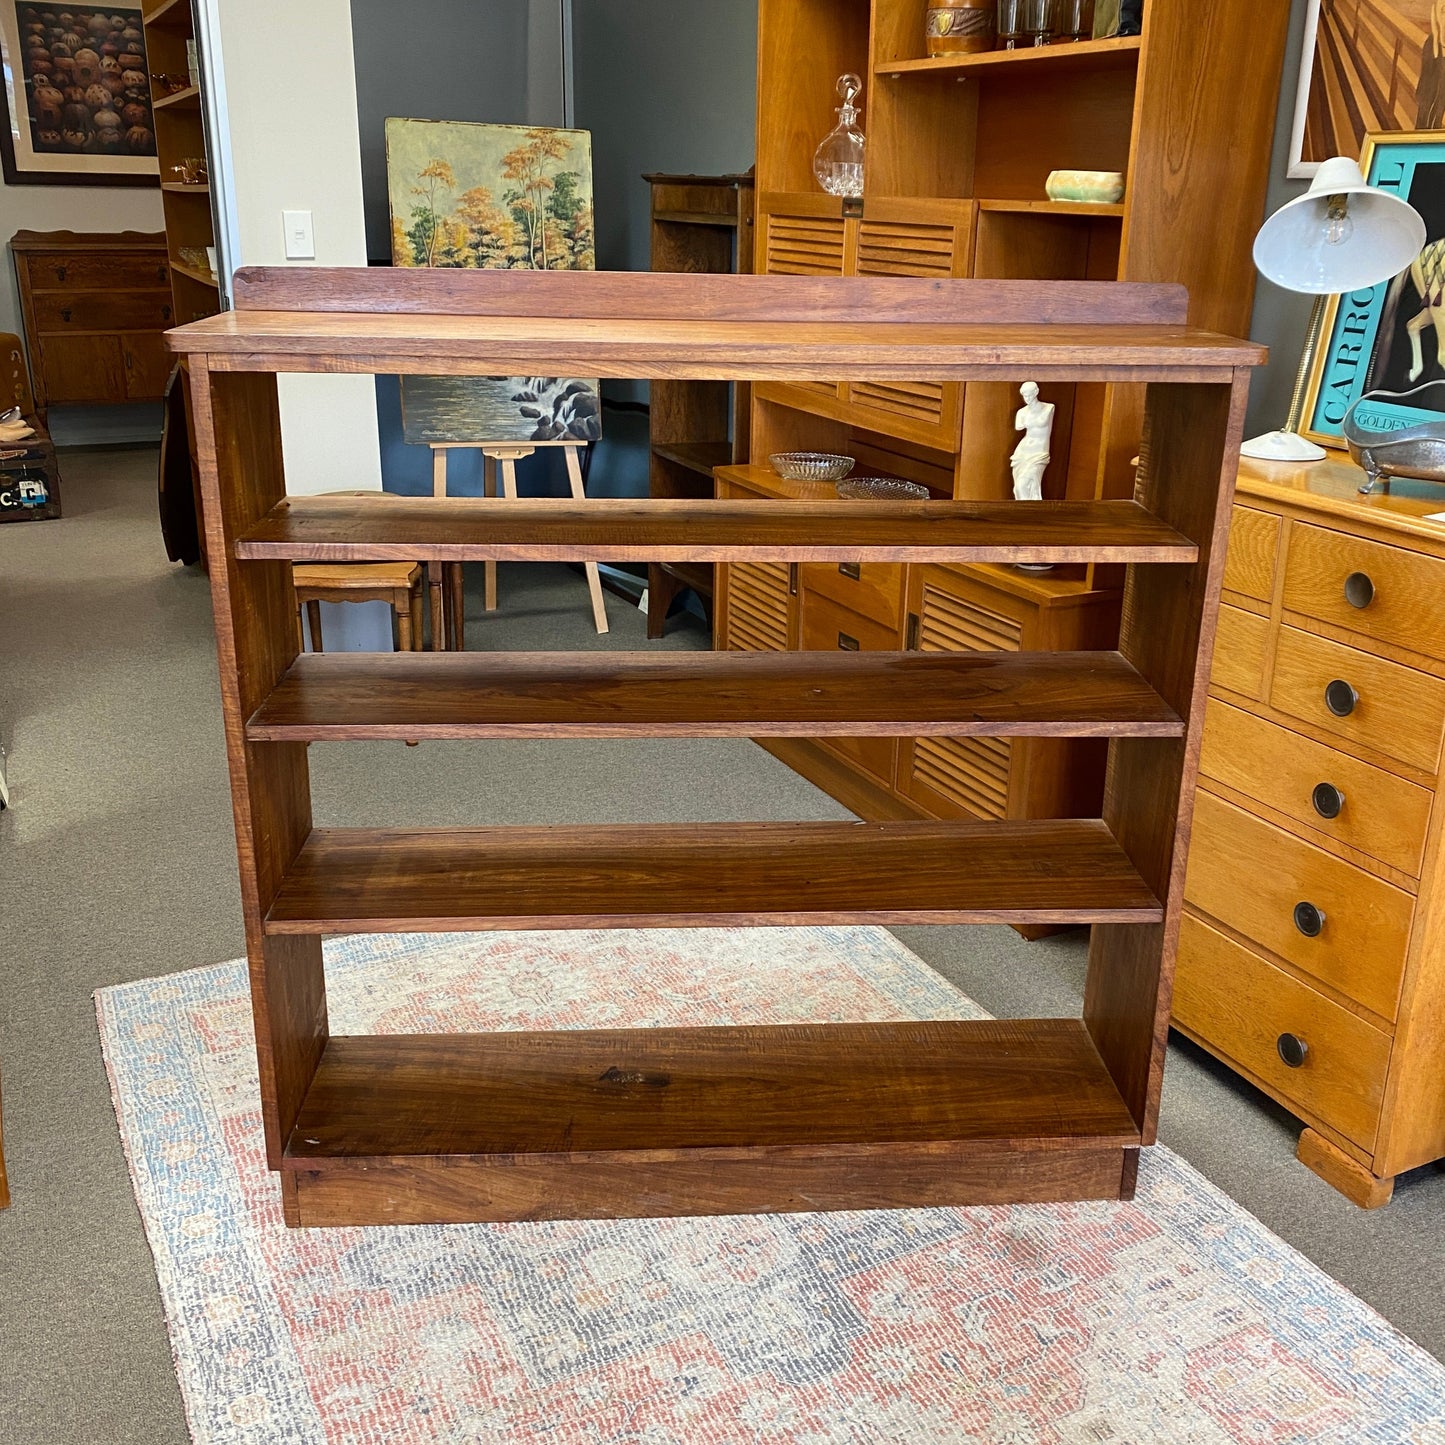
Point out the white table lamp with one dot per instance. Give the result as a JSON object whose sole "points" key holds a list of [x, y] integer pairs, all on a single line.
{"points": [[1342, 235]]}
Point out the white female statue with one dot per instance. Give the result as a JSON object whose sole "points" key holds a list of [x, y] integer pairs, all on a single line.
{"points": [[1031, 458]]}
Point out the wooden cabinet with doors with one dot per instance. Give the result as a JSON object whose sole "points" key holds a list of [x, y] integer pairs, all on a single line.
{"points": [[959, 149], [95, 309], [1312, 953]]}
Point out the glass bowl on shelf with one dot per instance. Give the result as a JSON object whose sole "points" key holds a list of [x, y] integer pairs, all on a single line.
{"points": [[811, 466], [882, 489]]}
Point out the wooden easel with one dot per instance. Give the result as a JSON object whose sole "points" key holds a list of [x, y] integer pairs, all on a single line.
{"points": [[444, 580]]}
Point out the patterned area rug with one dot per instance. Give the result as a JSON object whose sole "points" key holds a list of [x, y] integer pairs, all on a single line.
{"points": [[1178, 1318]]}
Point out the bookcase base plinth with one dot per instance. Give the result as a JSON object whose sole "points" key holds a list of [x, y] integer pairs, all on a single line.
{"points": [[482, 1191]]}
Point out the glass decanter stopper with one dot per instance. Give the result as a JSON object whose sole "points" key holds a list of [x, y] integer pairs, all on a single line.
{"points": [[838, 163]]}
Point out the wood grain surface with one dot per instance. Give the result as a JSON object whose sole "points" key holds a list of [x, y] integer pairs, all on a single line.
{"points": [[651, 1093], [358, 696], [627, 295], [391, 528], [764, 1181], [640, 876]]}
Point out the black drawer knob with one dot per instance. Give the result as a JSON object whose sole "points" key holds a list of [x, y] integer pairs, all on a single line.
{"points": [[1293, 1050], [848, 644], [1359, 590], [1309, 920], [1341, 698], [1328, 800], [852, 570]]}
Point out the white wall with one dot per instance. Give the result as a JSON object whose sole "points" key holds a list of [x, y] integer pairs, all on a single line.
{"points": [[295, 144]]}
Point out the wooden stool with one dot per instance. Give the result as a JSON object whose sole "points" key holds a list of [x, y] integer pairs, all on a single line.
{"points": [[397, 583]]}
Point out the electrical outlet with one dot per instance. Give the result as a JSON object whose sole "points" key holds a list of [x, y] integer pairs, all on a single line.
{"points": [[300, 238]]}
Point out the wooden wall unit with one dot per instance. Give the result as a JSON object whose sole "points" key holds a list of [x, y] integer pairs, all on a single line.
{"points": [[181, 135], [713, 1121], [959, 149], [95, 308], [701, 225], [1323, 981]]}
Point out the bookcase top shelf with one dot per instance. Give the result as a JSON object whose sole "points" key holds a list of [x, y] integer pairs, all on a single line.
{"points": [[643, 325]]}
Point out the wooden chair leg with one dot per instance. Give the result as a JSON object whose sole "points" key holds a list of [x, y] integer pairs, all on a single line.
{"points": [[438, 610], [401, 606], [4, 1178], [594, 577], [456, 597], [489, 485], [417, 608], [313, 619]]}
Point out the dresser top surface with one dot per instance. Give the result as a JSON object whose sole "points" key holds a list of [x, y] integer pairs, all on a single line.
{"points": [[1331, 489]]}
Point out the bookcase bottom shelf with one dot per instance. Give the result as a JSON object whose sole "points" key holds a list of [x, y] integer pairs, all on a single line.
{"points": [[667, 1122]]}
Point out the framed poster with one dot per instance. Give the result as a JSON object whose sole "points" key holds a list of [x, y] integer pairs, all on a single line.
{"points": [[492, 197], [75, 106], [1368, 66], [1390, 337]]}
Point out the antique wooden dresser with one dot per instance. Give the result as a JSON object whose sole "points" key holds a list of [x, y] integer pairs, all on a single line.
{"points": [[1312, 958], [95, 309]]}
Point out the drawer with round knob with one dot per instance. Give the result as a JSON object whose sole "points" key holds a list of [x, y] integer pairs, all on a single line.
{"points": [[1382, 593], [104, 311], [1331, 920], [1317, 787], [1395, 710], [1312, 1055]]}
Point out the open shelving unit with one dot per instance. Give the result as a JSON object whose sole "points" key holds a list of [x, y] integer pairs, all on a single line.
{"points": [[959, 151], [392, 1130]]}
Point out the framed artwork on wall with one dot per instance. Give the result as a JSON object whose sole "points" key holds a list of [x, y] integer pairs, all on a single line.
{"points": [[75, 105], [492, 197], [1369, 65], [1391, 337]]}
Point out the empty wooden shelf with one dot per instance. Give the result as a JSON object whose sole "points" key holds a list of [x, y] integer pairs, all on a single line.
{"points": [[759, 874], [405, 1130], [667, 1122], [384, 528], [340, 697]]}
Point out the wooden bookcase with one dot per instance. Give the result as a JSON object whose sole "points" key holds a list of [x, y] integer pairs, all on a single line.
{"points": [[714, 1120], [958, 152], [181, 135], [700, 225]]}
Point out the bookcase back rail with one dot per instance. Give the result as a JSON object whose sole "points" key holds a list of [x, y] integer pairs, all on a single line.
{"points": [[625, 295]]}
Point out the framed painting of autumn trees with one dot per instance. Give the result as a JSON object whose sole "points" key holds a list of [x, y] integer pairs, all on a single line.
{"points": [[493, 197]]}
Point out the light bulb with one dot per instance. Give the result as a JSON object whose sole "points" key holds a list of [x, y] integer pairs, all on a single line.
{"points": [[1339, 227]]}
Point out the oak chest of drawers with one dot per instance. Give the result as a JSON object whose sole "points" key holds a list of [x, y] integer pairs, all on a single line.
{"points": [[1312, 955], [95, 309]]}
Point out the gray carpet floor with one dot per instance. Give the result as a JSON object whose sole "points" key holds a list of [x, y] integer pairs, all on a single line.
{"points": [[118, 863]]}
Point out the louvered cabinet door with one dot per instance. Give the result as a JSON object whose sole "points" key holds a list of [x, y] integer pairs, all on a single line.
{"points": [[757, 610], [933, 240], [756, 607], [803, 235], [960, 777]]}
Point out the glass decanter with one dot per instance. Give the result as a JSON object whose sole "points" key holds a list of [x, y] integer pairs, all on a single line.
{"points": [[838, 162]]}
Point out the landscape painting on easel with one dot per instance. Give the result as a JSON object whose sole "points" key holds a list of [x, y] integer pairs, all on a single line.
{"points": [[492, 197]]}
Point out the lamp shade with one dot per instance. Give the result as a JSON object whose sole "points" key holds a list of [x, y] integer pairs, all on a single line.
{"points": [[1323, 246]]}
